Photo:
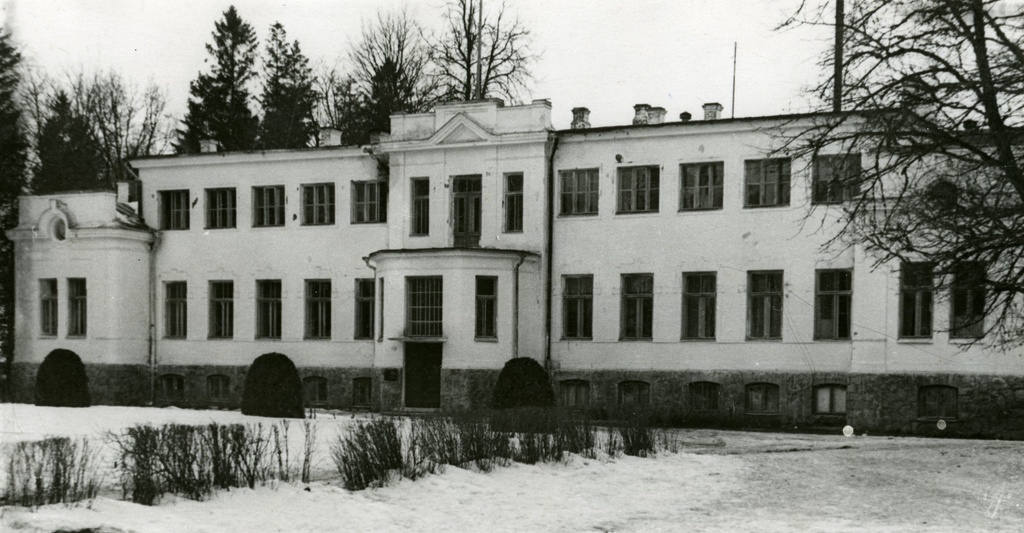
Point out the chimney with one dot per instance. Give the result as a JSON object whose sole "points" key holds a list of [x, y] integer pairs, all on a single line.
{"points": [[656, 115], [330, 137], [713, 111], [685, 116], [580, 118], [641, 114], [208, 146]]}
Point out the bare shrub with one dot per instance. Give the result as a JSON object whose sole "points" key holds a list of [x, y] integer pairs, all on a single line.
{"points": [[249, 446], [367, 456], [576, 434], [53, 470], [638, 437], [308, 447], [138, 449]]}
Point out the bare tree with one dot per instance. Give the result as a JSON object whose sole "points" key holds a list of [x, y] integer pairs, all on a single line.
{"points": [[499, 49], [933, 98]]}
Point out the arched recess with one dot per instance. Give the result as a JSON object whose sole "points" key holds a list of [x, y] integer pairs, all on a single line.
{"points": [[61, 381], [272, 388]]}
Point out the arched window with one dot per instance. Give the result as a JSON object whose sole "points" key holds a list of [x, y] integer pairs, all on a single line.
{"points": [[830, 399], [361, 389], [937, 401], [704, 396], [172, 387], [218, 387], [634, 393], [575, 393], [315, 389], [762, 399]]}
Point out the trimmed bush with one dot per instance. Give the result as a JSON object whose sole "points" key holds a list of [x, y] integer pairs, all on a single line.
{"points": [[273, 388], [523, 383], [61, 381]]}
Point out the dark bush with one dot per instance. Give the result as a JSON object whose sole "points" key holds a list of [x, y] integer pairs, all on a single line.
{"points": [[523, 383], [273, 388], [61, 381]]}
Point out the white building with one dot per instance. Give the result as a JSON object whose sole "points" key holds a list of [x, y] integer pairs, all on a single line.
{"points": [[673, 264]]}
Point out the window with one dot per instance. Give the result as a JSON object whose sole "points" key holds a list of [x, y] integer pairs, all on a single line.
{"points": [[637, 306], [937, 401], [423, 312], [830, 399], [369, 201], [836, 178], [833, 292], [218, 387], [315, 390], [77, 307], [916, 286], [174, 214], [380, 309], [767, 182], [420, 206], [364, 309], [704, 396], [172, 387], [361, 388], [764, 305], [968, 302], [575, 393], [634, 393], [486, 307], [699, 290], [638, 190], [701, 186], [762, 399], [220, 208], [268, 309], [318, 204], [513, 203], [222, 309], [579, 191], [466, 210], [318, 309], [268, 206], [48, 307], [176, 310], [577, 307]]}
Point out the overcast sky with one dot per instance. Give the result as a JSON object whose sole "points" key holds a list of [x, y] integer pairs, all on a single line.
{"points": [[602, 54]]}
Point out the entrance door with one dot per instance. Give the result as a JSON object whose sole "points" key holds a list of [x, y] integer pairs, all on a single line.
{"points": [[423, 374], [466, 203]]}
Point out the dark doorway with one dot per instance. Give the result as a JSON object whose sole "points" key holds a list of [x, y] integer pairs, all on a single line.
{"points": [[466, 203], [423, 374], [61, 381]]}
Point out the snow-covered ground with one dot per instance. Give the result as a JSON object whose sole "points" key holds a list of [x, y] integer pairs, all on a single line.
{"points": [[721, 481]]}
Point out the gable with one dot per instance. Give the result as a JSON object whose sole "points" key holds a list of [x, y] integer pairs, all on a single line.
{"points": [[462, 134], [462, 129]]}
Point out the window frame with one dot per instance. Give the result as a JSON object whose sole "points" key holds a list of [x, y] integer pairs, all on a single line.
{"points": [[782, 187], [78, 308], [704, 396], [770, 313], [836, 296], [967, 284], [924, 393], [637, 391], [175, 210], [644, 301], [358, 385], [419, 208], [715, 188], [269, 297], [222, 310], [920, 292], [770, 399], [319, 309], [570, 195], [221, 208], [364, 299], [322, 391], [268, 205], [705, 300], [432, 325], [650, 194], [49, 307], [319, 203], [832, 408], [176, 309], [177, 394], [513, 202], [486, 318], [576, 390], [835, 190], [211, 389], [583, 301], [361, 208]]}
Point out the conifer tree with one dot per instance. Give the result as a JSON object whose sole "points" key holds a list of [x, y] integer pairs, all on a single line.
{"points": [[69, 155], [288, 96], [218, 108]]}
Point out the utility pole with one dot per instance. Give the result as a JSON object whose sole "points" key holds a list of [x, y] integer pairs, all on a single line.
{"points": [[480, 54], [837, 76], [732, 108]]}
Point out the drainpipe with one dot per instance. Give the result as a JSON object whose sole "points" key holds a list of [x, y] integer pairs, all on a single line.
{"points": [[515, 307], [152, 318], [549, 252], [380, 304]]}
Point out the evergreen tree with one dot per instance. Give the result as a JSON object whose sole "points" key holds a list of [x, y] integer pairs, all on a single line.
{"points": [[13, 149], [288, 95], [219, 106], [69, 155]]}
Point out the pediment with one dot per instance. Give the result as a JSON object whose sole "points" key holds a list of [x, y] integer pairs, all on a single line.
{"points": [[462, 129]]}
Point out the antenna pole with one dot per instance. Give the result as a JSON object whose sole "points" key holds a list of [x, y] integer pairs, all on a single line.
{"points": [[480, 54], [732, 108], [837, 79]]}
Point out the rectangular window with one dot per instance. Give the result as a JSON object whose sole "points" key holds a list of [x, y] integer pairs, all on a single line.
{"points": [[364, 308], [268, 309], [704, 396], [268, 206], [830, 400], [172, 387], [701, 186], [318, 204], [380, 310], [767, 182], [836, 178], [937, 401], [916, 286], [315, 390], [486, 307], [420, 206], [318, 309], [48, 307], [762, 399], [833, 294], [637, 306], [222, 309], [575, 393], [967, 319], [77, 307], [636, 393], [466, 210], [638, 190], [220, 208], [579, 191], [174, 210], [218, 388], [577, 307], [764, 305], [513, 203], [361, 389], [423, 317], [176, 310], [699, 291], [369, 202]]}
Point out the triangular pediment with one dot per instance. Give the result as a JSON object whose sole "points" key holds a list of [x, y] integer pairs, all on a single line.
{"points": [[462, 129]]}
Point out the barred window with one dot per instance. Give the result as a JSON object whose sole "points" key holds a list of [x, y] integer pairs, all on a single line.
{"points": [[701, 186], [268, 309], [222, 309], [699, 297], [77, 307], [637, 306], [423, 317], [176, 310], [48, 307], [420, 206], [220, 208], [638, 189], [579, 191], [369, 201], [513, 203], [764, 305], [486, 307], [577, 307], [174, 210], [832, 302], [364, 308], [318, 309], [268, 206], [318, 204], [767, 182]]}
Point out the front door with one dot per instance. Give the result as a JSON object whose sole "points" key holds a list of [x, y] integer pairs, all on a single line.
{"points": [[466, 203], [423, 374]]}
